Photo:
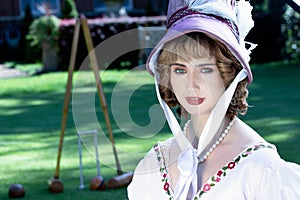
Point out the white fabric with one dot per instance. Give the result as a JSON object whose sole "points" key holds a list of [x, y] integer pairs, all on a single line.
{"points": [[187, 166], [215, 7], [171, 119], [263, 175]]}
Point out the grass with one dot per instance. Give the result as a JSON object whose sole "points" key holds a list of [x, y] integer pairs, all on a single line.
{"points": [[276, 111], [29, 68], [30, 121]]}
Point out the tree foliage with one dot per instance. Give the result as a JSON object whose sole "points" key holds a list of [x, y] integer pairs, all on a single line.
{"points": [[44, 29], [69, 10], [291, 30]]}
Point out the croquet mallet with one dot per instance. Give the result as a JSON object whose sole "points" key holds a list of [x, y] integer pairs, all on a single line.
{"points": [[55, 184], [122, 179]]}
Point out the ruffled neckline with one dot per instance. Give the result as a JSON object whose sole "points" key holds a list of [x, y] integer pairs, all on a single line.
{"points": [[221, 174]]}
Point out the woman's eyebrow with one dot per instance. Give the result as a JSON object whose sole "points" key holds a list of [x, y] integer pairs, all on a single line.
{"points": [[178, 64], [205, 64]]}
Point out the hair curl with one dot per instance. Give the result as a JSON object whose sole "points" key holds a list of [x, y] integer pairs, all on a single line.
{"points": [[185, 48]]}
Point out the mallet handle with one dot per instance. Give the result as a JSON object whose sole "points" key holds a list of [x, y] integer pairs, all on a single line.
{"points": [[67, 96], [90, 47]]}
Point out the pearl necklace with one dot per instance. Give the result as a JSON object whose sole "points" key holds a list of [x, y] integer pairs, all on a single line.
{"points": [[218, 141]]}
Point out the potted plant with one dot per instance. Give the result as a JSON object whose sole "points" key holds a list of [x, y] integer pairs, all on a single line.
{"points": [[44, 32]]}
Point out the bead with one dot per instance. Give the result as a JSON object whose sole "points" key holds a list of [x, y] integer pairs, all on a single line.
{"points": [[218, 141]]}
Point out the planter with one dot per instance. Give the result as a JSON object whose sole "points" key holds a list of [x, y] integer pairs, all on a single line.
{"points": [[49, 57]]}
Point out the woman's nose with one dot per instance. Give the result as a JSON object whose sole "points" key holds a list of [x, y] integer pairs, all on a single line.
{"points": [[195, 78]]}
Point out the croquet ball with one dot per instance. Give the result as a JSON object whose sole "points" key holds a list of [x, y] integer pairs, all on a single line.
{"points": [[16, 191], [56, 186], [97, 183]]}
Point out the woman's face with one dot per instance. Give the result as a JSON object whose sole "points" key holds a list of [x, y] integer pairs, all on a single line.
{"points": [[197, 84]]}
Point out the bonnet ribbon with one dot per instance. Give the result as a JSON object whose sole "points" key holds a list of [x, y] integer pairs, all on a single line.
{"points": [[187, 160]]}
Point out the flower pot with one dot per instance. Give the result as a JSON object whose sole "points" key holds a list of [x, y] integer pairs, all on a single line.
{"points": [[49, 57]]}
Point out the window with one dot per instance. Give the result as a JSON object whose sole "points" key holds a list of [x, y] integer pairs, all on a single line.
{"points": [[10, 9], [99, 5], [39, 7]]}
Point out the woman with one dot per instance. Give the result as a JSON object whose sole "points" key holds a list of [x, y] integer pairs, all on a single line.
{"points": [[201, 67]]}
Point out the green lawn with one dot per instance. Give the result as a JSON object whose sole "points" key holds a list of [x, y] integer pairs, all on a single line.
{"points": [[30, 121]]}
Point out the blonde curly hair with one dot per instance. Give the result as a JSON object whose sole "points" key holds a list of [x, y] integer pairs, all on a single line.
{"points": [[195, 45]]}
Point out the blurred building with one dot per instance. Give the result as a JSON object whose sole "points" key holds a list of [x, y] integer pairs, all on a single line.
{"points": [[13, 11]]}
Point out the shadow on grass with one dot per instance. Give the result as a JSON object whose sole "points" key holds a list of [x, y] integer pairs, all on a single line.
{"points": [[30, 121]]}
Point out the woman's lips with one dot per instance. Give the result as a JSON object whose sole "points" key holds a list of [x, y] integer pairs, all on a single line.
{"points": [[194, 100]]}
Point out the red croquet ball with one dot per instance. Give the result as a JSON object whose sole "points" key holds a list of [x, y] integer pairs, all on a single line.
{"points": [[97, 183], [16, 191]]}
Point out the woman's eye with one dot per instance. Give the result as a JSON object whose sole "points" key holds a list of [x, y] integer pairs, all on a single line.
{"points": [[206, 70], [179, 70]]}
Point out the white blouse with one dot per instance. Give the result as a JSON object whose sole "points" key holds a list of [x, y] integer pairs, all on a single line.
{"points": [[257, 173]]}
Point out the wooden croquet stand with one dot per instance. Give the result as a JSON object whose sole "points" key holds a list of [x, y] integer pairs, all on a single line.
{"points": [[122, 179]]}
